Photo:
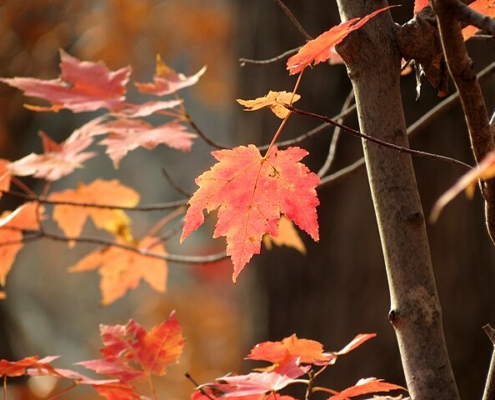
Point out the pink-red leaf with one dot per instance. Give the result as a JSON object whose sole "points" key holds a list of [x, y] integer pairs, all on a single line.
{"points": [[82, 86], [57, 160], [129, 134], [251, 192], [259, 382], [366, 386], [356, 342], [318, 50], [19, 368], [167, 81]]}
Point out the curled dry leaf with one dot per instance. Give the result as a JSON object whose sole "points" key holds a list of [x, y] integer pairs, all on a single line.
{"points": [[275, 100], [287, 236]]}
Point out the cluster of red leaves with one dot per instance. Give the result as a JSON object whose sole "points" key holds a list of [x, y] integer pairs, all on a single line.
{"points": [[130, 354], [290, 359]]}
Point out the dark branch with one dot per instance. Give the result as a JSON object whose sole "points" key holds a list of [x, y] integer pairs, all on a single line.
{"points": [[244, 61], [293, 19]]}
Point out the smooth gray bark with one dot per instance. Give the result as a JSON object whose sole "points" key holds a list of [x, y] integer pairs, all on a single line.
{"points": [[373, 63]]}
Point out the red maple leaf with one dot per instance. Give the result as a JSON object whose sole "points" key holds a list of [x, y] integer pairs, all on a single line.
{"points": [[251, 193], [126, 135], [150, 352], [259, 382], [167, 81], [122, 269], [82, 86], [366, 386], [318, 50], [57, 160]]}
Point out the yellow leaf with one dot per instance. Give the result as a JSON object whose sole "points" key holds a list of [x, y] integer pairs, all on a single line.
{"points": [[287, 236], [275, 100]]}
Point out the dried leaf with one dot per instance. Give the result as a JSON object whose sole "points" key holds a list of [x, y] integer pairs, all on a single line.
{"points": [[287, 236], [275, 100], [251, 193]]}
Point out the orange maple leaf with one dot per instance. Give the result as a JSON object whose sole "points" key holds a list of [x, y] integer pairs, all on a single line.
{"points": [[82, 86], [122, 269], [366, 386], [25, 217], [151, 352], [167, 81], [318, 50], [71, 218], [275, 100], [19, 368], [251, 193], [57, 160], [486, 7], [420, 4]]}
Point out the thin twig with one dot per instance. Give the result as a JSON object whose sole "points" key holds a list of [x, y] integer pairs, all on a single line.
{"points": [[37, 235], [472, 17], [489, 392], [174, 184], [336, 135], [341, 174], [203, 392], [378, 141], [44, 200], [244, 61], [201, 134], [294, 20]]}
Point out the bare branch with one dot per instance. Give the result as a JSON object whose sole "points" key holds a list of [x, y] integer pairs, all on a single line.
{"points": [[201, 134], [293, 19], [470, 16], [244, 61], [489, 392]]}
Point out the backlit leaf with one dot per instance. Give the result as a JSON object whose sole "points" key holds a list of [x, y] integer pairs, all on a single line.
{"points": [[251, 193], [287, 236], [127, 135], [71, 219], [366, 386], [57, 160], [19, 368], [167, 81], [485, 170], [486, 7], [122, 269], [82, 86], [136, 353], [25, 217], [320, 49], [275, 100], [5, 176]]}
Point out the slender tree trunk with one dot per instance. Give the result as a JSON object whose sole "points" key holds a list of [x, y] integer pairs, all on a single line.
{"points": [[373, 63]]}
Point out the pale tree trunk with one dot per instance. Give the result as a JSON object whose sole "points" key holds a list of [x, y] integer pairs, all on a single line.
{"points": [[373, 62]]}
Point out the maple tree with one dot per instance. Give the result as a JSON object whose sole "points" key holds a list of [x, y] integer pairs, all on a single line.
{"points": [[252, 194]]}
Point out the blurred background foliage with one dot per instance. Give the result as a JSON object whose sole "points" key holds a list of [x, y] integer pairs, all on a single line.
{"points": [[336, 290]]}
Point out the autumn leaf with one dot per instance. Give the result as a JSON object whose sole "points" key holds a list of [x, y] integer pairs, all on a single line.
{"points": [[71, 218], [483, 171], [82, 86], [355, 343], [318, 50], [122, 269], [19, 368], [259, 382], [419, 5], [5, 176], [25, 217], [251, 192], [486, 7], [167, 81], [145, 109], [127, 135], [57, 160], [308, 351], [150, 352], [366, 386], [287, 236], [275, 100]]}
